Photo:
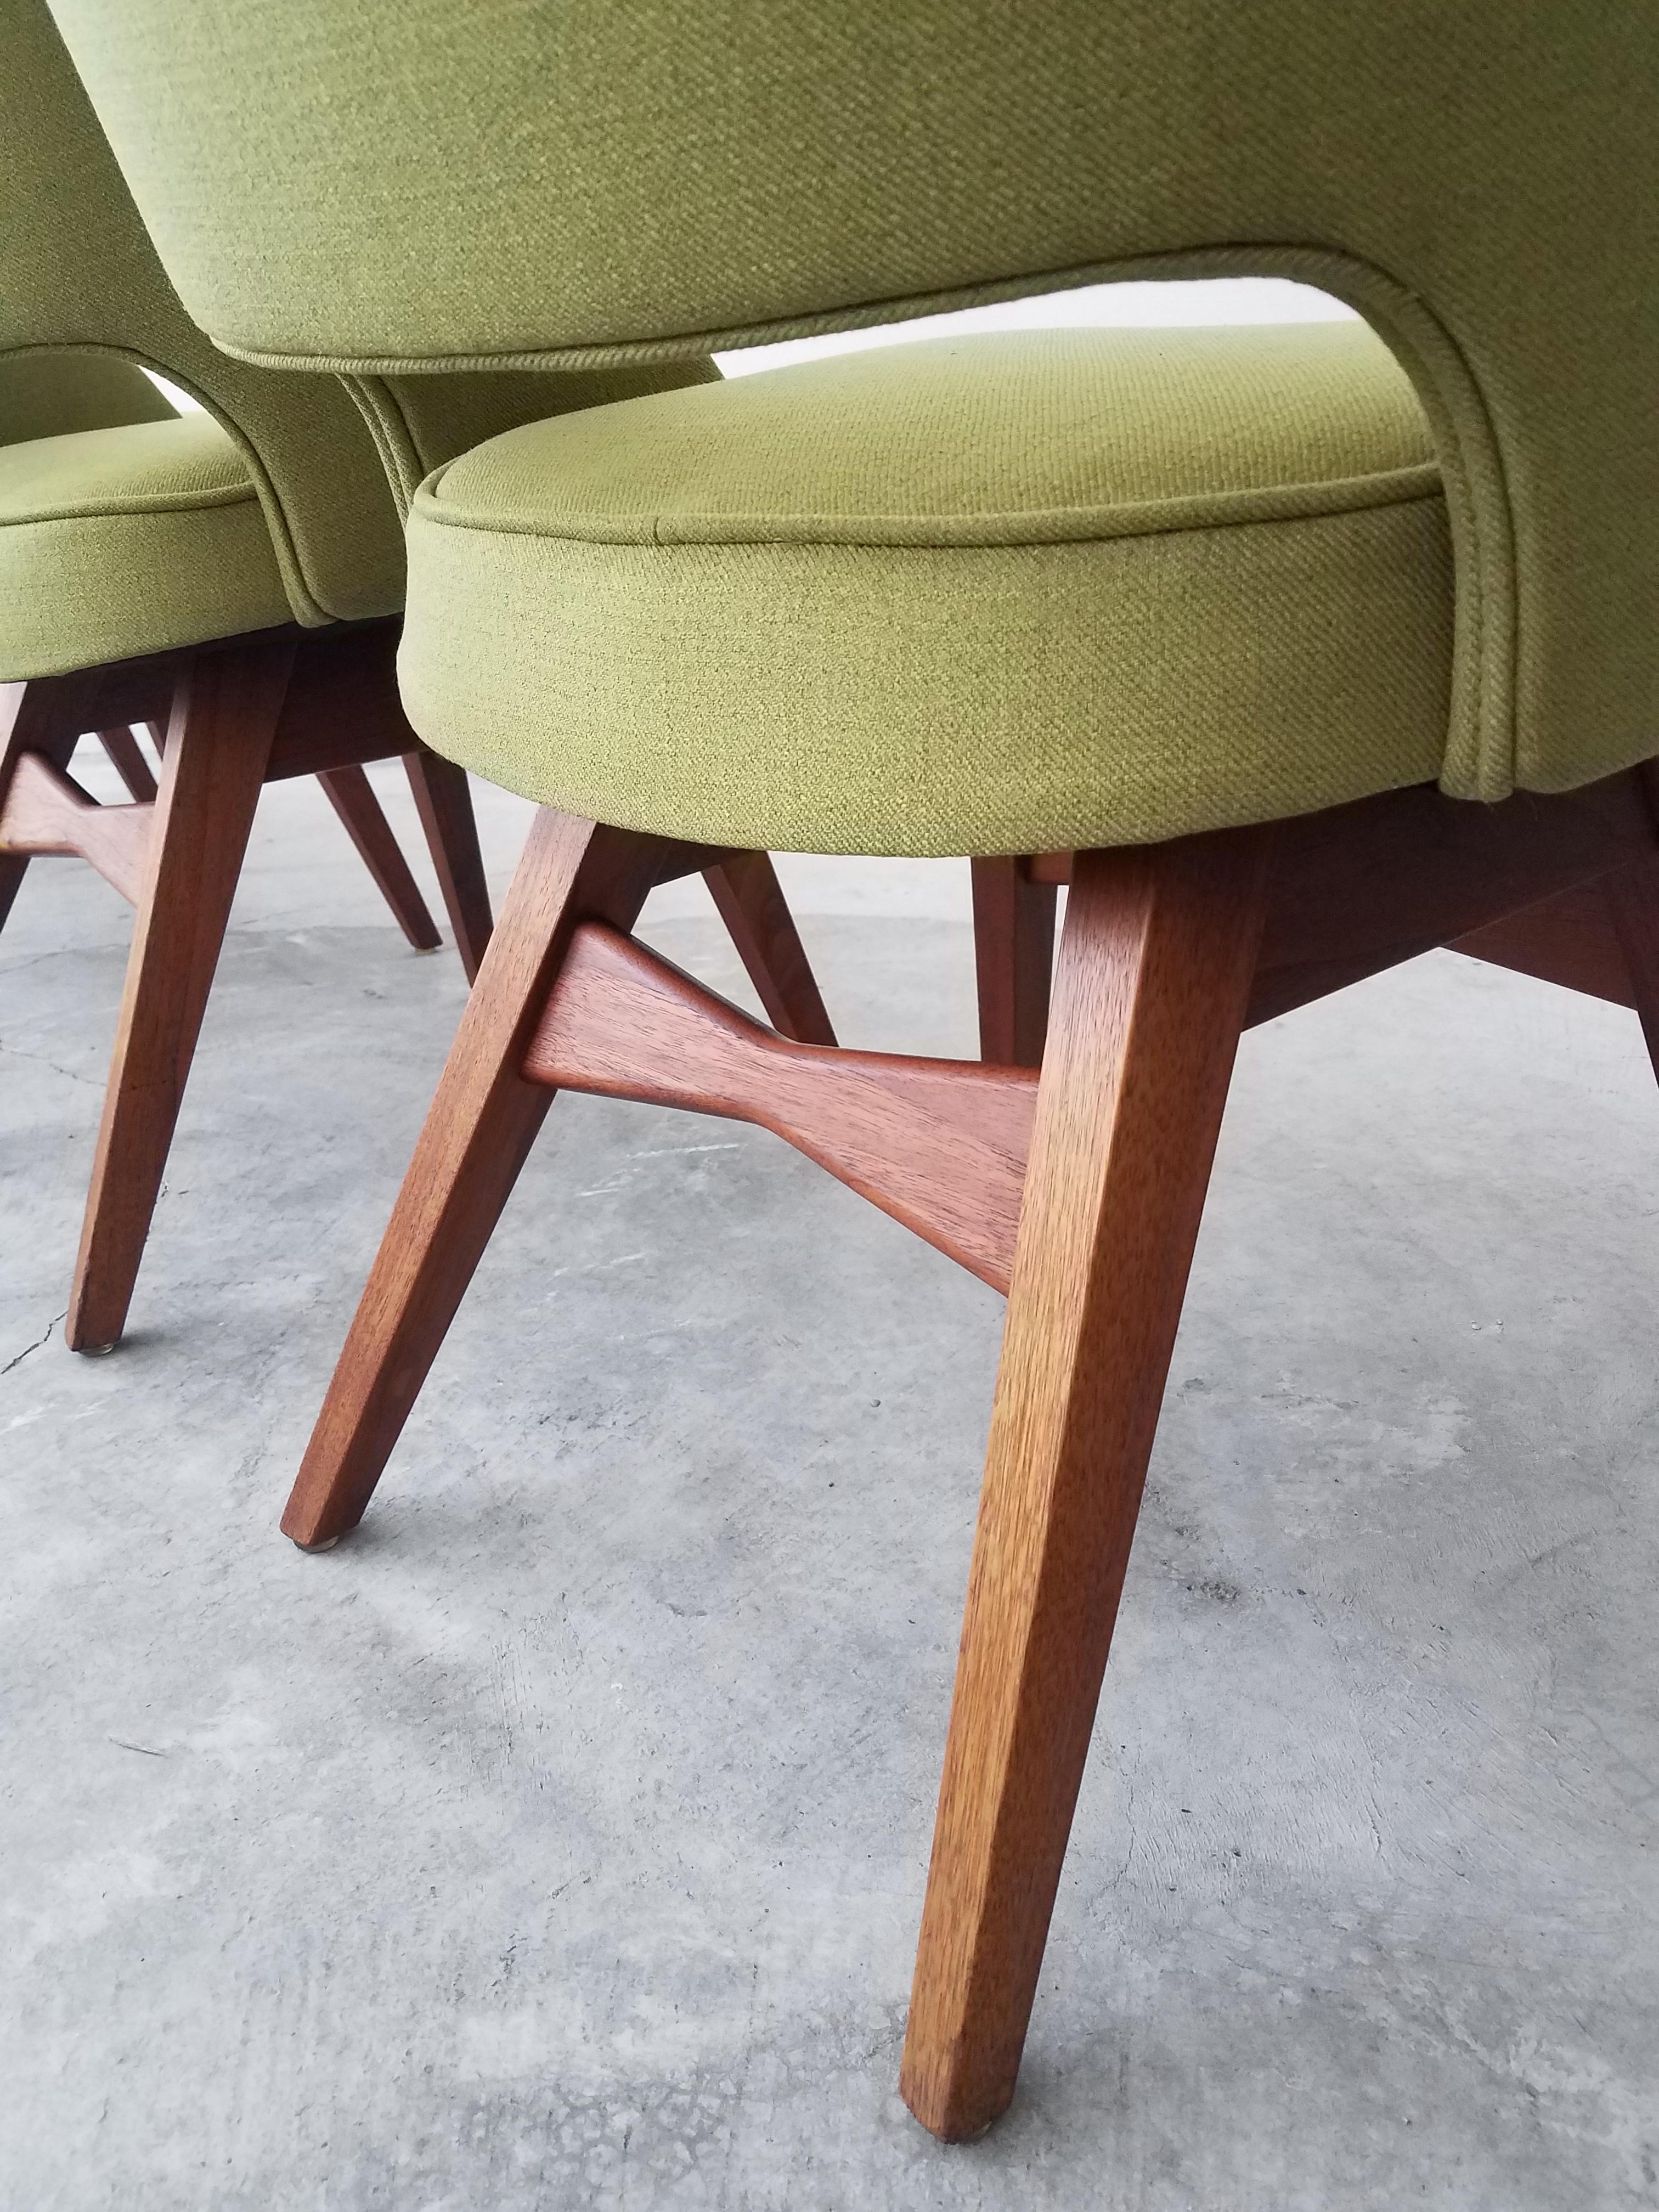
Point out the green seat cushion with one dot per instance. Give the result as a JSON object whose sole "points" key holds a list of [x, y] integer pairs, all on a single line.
{"points": [[122, 541], [992, 594]]}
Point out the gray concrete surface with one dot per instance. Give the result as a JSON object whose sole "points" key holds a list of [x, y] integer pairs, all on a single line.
{"points": [[560, 1839]]}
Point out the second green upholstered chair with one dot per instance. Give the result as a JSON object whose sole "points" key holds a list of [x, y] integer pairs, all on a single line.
{"points": [[124, 528], [233, 578], [152, 572], [1295, 655]]}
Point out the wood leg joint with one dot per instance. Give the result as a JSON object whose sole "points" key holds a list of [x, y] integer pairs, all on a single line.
{"points": [[939, 1145], [45, 811]]}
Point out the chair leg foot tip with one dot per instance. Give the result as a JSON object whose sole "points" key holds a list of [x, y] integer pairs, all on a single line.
{"points": [[948, 2122]]}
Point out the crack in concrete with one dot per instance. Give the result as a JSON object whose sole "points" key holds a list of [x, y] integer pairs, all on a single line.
{"points": [[35, 1347], [41, 1061], [58, 952]]}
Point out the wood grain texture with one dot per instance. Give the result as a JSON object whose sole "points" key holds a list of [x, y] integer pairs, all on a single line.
{"points": [[127, 758], [1050, 867], [120, 693], [342, 706], [443, 798], [1013, 960], [1633, 898], [46, 811], [38, 721], [1361, 888], [1153, 979], [939, 1145], [351, 795], [749, 901], [477, 1134], [219, 740], [1568, 940]]}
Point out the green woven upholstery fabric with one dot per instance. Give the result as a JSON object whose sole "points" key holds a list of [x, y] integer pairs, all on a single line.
{"points": [[43, 395], [420, 422], [984, 595], [339, 181], [78, 275], [121, 542]]}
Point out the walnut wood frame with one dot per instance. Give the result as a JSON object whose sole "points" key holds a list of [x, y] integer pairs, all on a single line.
{"points": [[1080, 1189], [228, 718], [351, 794]]}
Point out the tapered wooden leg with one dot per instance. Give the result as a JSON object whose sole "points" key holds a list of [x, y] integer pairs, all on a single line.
{"points": [[1013, 955], [352, 797], [127, 761], [1632, 897], [223, 719], [745, 889], [35, 718], [444, 798], [1154, 976], [477, 1135]]}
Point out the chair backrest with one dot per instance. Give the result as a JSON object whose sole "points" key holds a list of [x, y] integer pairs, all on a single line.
{"points": [[47, 395], [78, 273], [442, 184], [80, 278]]}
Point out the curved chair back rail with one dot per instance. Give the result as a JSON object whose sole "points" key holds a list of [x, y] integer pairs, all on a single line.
{"points": [[435, 186], [78, 274]]}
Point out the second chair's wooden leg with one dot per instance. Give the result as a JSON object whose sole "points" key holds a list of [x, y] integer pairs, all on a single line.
{"points": [[223, 721], [745, 890], [477, 1135], [1154, 977], [1632, 897], [1013, 955], [444, 800], [39, 717], [352, 797], [127, 759]]}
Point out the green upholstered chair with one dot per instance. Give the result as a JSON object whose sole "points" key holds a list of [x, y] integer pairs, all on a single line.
{"points": [[121, 523], [236, 574], [1297, 653]]}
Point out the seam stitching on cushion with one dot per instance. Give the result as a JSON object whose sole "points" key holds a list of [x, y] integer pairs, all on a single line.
{"points": [[172, 361], [178, 503], [377, 402], [1405, 487], [1366, 285]]}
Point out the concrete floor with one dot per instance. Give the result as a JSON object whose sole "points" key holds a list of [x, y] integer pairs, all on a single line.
{"points": [[559, 1840]]}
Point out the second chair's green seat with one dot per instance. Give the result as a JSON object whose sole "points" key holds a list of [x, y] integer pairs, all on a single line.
{"points": [[118, 542], [1129, 584]]}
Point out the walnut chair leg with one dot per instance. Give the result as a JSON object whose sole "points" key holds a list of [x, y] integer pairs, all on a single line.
{"points": [[1154, 976], [750, 902], [352, 797], [477, 1135], [127, 758], [1013, 955], [443, 797], [35, 718], [1632, 897], [13, 868], [224, 717]]}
